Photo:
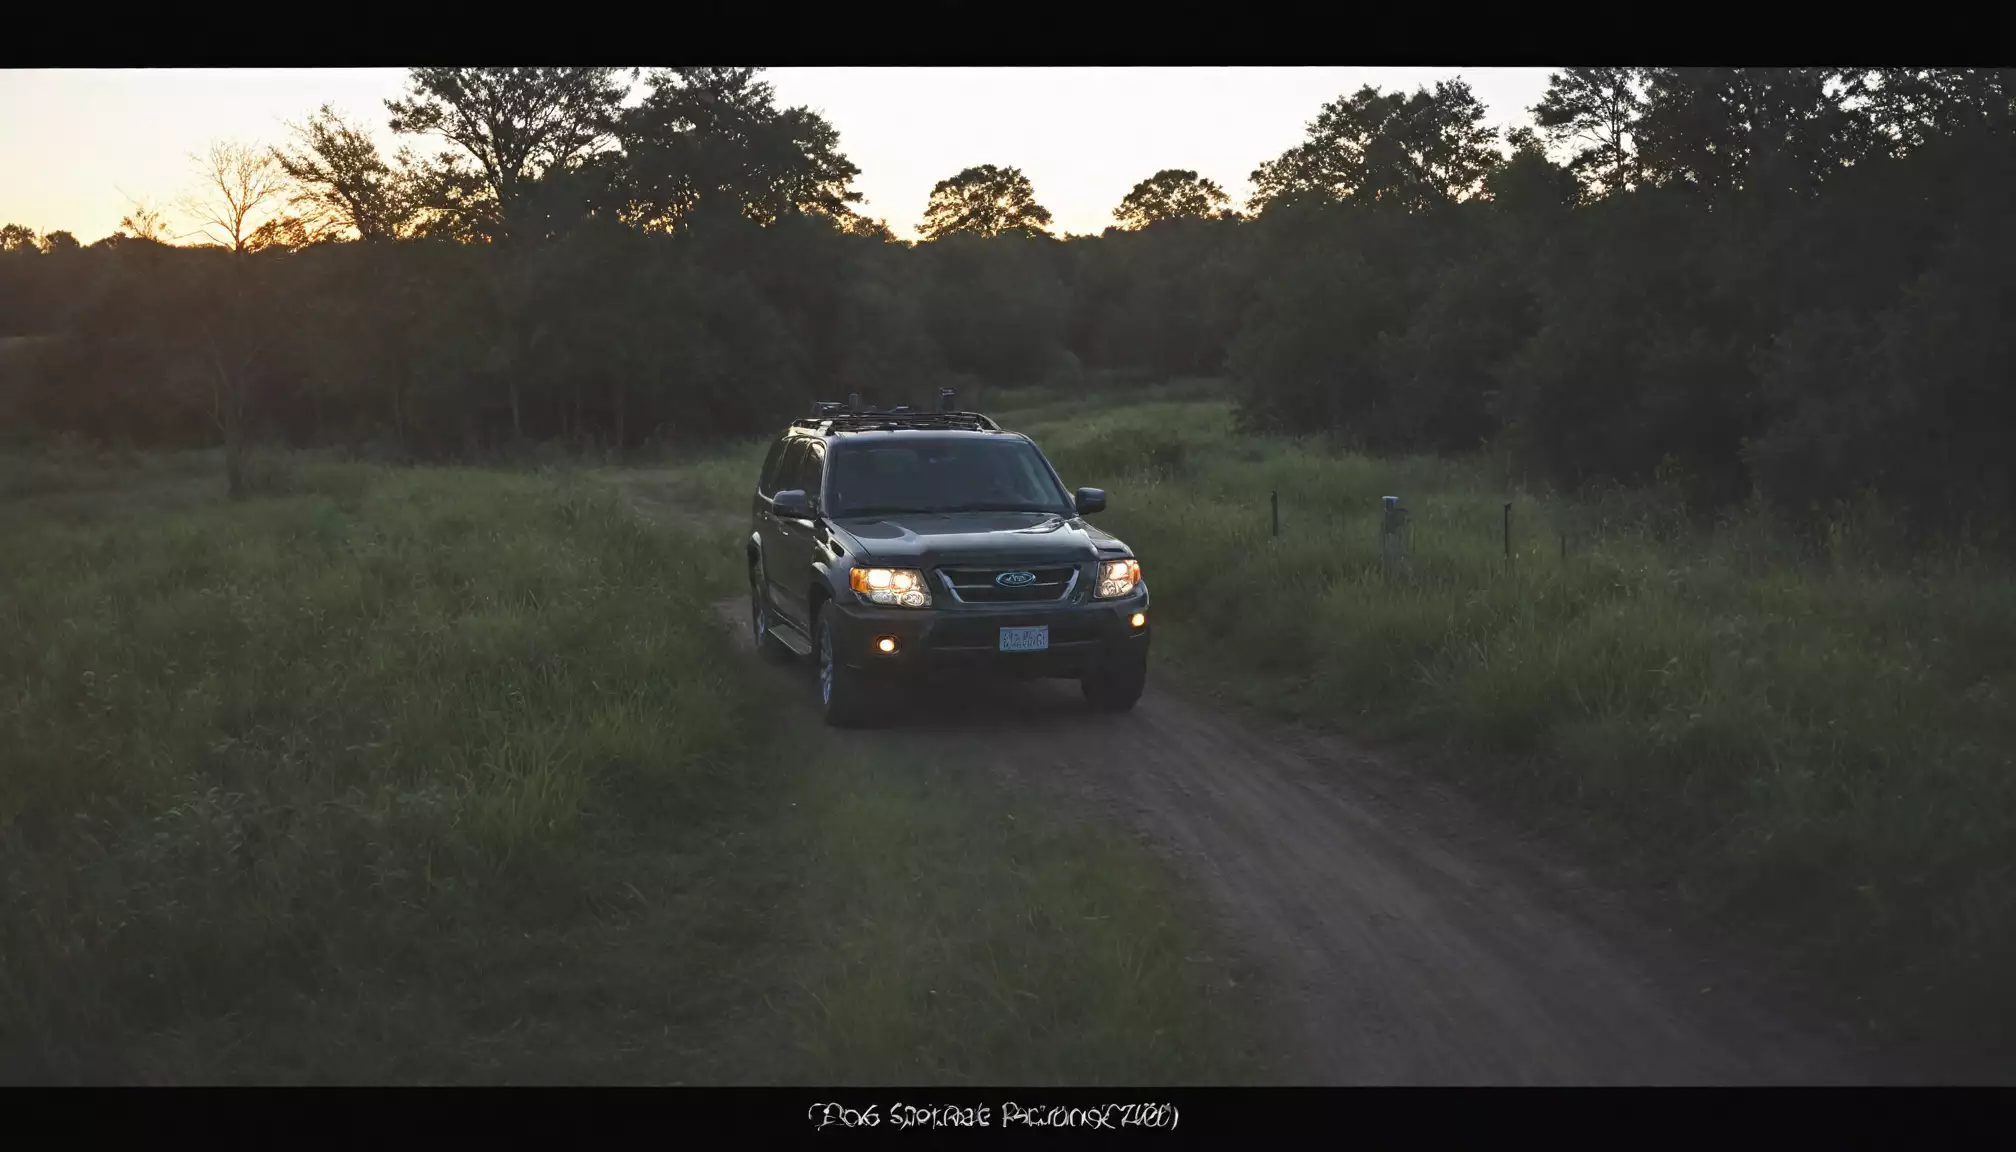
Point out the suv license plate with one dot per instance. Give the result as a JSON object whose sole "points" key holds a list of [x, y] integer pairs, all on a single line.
{"points": [[1034, 639]]}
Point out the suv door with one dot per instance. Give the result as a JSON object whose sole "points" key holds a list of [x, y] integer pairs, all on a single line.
{"points": [[804, 466], [779, 471]]}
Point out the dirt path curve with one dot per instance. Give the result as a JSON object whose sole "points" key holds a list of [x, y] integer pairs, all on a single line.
{"points": [[1389, 933]]}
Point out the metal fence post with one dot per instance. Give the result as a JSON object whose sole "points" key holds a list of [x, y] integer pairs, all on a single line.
{"points": [[1508, 530], [1391, 520], [1274, 500]]}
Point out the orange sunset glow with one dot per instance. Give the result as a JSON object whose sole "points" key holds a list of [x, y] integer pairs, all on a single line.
{"points": [[79, 146]]}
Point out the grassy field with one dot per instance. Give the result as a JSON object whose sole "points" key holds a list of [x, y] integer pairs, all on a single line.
{"points": [[453, 776], [450, 775], [1808, 746]]}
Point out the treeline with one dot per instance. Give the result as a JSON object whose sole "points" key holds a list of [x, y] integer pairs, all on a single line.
{"points": [[1788, 283], [1793, 283]]}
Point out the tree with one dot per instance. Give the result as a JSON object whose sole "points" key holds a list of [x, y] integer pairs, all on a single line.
{"points": [[217, 321], [984, 200], [1414, 151], [1722, 130], [994, 309], [514, 123], [518, 126], [145, 222], [242, 190], [855, 224], [702, 133], [59, 242], [1798, 297], [1143, 299], [1594, 110], [1911, 106], [1530, 184], [340, 176], [237, 210], [451, 201], [18, 238], [1169, 194], [291, 233]]}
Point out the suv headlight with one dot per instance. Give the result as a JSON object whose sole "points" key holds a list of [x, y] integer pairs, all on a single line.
{"points": [[1117, 578], [896, 587]]}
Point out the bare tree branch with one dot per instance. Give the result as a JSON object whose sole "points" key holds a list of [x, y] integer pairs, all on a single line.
{"points": [[242, 186]]}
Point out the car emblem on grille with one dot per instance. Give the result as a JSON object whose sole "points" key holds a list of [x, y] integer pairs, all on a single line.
{"points": [[1015, 579]]}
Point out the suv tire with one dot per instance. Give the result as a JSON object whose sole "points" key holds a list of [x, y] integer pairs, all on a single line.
{"points": [[844, 700], [1115, 686], [767, 645]]}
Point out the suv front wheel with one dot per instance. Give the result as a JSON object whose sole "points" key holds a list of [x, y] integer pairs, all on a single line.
{"points": [[844, 701], [1115, 686]]}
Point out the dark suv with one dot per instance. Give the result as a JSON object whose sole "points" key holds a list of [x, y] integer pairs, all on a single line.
{"points": [[898, 545]]}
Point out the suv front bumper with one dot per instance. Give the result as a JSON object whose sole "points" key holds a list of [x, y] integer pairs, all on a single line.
{"points": [[968, 638]]}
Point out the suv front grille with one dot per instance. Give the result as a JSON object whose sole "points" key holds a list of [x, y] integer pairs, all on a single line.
{"points": [[978, 586]]}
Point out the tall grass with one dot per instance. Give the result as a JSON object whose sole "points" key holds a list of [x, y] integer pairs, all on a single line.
{"points": [[440, 775], [1805, 744], [329, 741]]}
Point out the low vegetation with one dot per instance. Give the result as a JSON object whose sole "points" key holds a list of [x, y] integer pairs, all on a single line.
{"points": [[452, 775], [1810, 744]]}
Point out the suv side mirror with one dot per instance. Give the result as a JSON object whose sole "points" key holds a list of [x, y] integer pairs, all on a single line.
{"points": [[1090, 500], [792, 504]]}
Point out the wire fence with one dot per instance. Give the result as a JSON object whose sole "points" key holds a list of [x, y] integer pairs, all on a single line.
{"points": [[1530, 528]]}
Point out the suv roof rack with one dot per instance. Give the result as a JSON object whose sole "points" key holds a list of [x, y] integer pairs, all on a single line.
{"points": [[891, 421], [832, 416]]}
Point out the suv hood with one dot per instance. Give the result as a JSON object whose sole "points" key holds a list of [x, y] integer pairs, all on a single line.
{"points": [[924, 540]]}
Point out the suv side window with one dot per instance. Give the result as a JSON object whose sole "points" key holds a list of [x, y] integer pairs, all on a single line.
{"points": [[811, 469], [787, 468], [767, 483]]}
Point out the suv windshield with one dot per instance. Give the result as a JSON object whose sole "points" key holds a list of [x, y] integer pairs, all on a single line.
{"points": [[953, 474]]}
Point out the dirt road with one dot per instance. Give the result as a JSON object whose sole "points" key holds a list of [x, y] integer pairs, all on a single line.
{"points": [[1389, 933]]}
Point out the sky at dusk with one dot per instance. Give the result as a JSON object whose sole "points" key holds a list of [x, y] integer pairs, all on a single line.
{"points": [[77, 147]]}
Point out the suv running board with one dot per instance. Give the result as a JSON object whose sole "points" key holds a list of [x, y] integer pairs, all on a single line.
{"points": [[789, 636]]}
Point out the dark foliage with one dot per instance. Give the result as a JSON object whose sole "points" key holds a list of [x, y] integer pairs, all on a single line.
{"points": [[1795, 283]]}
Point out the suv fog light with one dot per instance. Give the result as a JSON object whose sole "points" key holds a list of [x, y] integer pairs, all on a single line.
{"points": [[1139, 619], [885, 644]]}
